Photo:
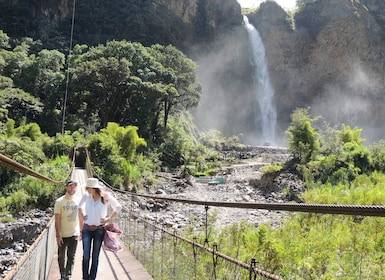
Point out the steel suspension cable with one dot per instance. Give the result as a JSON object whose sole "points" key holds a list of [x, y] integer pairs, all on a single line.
{"points": [[68, 67], [9, 163], [355, 210]]}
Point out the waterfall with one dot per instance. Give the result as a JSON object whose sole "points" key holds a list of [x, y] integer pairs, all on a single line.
{"points": [[263, 89]]}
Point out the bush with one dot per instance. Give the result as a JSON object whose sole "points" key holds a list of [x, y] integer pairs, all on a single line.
{"points": [[302, 137]]}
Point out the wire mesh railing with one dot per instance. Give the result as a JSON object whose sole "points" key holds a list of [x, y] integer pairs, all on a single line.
{"points": [[167, 255], [36, 262]]}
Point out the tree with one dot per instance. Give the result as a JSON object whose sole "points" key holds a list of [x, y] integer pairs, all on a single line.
{"points": [[16, 103], [28, 77], [113, 150], [302, 137], [180, 72], [130, 84], [42, 76], [353, 149]]}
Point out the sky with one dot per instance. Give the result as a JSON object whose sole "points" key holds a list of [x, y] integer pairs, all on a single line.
{"points": [[286, 4]]}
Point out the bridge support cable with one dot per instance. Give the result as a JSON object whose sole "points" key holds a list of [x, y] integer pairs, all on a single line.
{"points": [[68, 67], [175, 239], [11, 164], [153, 251], [206, 225], [163, 258], [354, 210]]}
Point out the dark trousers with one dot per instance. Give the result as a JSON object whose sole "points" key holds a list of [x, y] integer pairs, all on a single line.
{"points": [[67, 249], [92, 239]]}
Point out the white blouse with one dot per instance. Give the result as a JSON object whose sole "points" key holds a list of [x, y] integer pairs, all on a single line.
{"points": [[94, 211]]}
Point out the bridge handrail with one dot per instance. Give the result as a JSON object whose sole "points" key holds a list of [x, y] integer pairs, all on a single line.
{"points": [[44, 243]]}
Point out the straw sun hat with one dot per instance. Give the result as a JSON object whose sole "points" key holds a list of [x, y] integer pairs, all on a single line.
{"points": [[94, 183]]}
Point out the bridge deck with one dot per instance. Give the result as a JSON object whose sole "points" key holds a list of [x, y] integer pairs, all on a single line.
{"points": [[112, 266]]}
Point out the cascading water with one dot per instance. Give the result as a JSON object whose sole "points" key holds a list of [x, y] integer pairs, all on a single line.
{"points": [[264, 91]]}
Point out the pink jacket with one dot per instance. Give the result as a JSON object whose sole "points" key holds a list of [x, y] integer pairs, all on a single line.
{"points": [[111, 242]]}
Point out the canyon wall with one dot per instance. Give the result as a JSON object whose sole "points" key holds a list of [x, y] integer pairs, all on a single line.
{"points": [[327, 55]]}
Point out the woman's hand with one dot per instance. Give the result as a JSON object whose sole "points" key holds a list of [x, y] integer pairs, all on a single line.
{"points": [[104, 221]]}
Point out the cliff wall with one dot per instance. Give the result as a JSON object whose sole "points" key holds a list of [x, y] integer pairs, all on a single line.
{"points": [[328, 55]]}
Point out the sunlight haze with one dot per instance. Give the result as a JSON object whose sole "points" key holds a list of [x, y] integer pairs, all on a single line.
{"points": [[286, 4]]}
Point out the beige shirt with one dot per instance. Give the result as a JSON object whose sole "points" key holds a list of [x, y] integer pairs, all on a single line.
{"points": [[68, 211]]}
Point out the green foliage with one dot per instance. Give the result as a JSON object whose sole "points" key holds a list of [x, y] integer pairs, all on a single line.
{"points": [[272, 168], [335, 155], [330, 140], [364, 190], [4, 40], [28, 192], [19, 201], [377, 151], [24, 144], [315, 246], [140, 86], [63, 144], [302, 137], [122, 82], [180, 143], [349, 135], [15, 103], [31, 131], [307, 246], [113, 150], [358, 155]]}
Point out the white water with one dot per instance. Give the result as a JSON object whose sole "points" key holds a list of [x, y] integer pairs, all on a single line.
{"points": [[263, 89]]}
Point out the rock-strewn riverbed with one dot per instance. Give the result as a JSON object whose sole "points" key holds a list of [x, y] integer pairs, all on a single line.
{"points": [[244, 182]]}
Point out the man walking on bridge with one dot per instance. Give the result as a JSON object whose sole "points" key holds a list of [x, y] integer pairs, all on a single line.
{"points": [[67, 229]]}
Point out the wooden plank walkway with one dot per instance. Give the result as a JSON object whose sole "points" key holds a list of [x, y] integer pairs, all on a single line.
{"points": [[112, 266]]}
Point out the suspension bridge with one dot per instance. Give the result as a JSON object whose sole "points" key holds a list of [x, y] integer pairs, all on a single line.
{"points": [[151, 250]]}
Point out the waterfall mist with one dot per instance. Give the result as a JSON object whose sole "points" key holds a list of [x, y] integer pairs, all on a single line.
{"points": [[237, 97]]}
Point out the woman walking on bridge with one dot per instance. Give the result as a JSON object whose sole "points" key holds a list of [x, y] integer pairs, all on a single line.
{"points": [[93, 216]]}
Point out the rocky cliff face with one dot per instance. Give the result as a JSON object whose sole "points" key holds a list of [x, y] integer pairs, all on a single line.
{"points": [[329, 56], [181, 23]]}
